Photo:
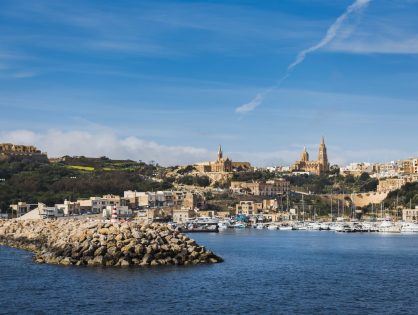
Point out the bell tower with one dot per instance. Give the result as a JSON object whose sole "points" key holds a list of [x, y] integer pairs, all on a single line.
{"points": [[220, 154], [322, 156]]}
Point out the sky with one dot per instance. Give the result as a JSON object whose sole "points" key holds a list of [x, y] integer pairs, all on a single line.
{"points": [[168, 81]]}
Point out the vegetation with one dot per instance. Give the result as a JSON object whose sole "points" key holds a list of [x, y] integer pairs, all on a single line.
{"points": [[35, 181], [202, 181], [333, 183], [405, 197]]}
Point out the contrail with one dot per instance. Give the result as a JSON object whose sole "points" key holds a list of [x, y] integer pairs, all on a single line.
{"points": [[332, 31]]}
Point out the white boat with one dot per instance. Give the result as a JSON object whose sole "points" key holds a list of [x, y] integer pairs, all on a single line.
{"points": [[314, 226], [324, 227], [272, 227], [409, 228], [223, 225], [259, 226], [388, 227], [285, 228], [344, 227]]}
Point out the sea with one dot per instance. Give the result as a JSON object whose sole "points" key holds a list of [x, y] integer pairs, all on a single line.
{"points": [[265, 272]]}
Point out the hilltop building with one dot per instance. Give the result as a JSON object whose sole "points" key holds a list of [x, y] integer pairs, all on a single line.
{"points": [[318, 167], [221, 168], [8, 150]]}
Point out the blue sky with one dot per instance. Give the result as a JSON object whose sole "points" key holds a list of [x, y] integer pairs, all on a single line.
{"points": [[162, 80]]}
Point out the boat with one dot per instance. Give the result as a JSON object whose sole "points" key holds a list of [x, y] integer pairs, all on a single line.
{"points": [[313, 226], [324, 227], [388, 227], [259, 226], [223, 225], [345, 228], [409, 228], [272, 227], [199, 226], [238, 225], [285, 228]]}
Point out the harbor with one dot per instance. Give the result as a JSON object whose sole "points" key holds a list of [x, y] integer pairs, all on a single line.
{"points": [[386, 225]]}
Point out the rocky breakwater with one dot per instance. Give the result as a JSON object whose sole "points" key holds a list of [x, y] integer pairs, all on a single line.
{"points": [[77, 242]]}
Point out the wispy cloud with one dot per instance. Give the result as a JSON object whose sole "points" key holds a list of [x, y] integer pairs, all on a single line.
{"points": [[331, 32], [248, 107], [329, 36]]}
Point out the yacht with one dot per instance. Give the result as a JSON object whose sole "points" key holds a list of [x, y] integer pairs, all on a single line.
{"points": [[409, 228], [324, 227], [388, 227], [285, 228], [223, 225], [272, 227]]}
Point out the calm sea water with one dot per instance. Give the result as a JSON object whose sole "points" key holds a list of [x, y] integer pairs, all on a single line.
{"points": [[265, 272]]}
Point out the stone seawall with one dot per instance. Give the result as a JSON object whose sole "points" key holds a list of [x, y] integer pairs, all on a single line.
{"points": [[79, 242]]}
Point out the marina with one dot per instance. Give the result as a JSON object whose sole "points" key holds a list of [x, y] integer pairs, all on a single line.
{"points": [[386, 225]]}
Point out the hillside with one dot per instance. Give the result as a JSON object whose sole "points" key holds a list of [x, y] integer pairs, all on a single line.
{"points": [[71, 178]]}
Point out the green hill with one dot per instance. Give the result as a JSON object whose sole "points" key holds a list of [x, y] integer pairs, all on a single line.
{"points": [[23, 179]]}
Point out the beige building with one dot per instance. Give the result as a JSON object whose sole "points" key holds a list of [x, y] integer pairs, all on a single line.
{"points": [[410, 215], [19, 209], [249, 207], [318, 167], [93, 204], [270, 188], [69, 207], [183, 215]]}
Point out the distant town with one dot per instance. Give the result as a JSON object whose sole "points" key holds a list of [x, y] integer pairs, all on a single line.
{"points": [[308, 190]]}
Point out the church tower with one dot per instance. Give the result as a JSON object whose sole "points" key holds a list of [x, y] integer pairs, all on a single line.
{"points": [[322, 156], [304, 157], [220, 154]]}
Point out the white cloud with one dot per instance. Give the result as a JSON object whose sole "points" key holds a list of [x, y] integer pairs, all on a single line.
{"points": [[332, 31], [248, 107], [105, 142], [373, 44]]}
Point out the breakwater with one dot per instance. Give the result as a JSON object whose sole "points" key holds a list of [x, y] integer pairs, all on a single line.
{"points": [[94, 243]]}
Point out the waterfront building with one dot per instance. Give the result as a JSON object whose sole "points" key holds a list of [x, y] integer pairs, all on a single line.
{"points": [[318, 167], [183, 215], [257, 188], [410, 215], [93, 204], [69, 207], [165, 199], [20, 209], [249, 207]]}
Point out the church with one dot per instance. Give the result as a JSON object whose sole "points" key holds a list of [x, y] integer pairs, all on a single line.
{"points": [[221, 165], [317, 167], [222, 168]]}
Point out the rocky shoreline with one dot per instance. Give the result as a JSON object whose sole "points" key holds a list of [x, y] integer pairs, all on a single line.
{"points": [[95, 243]]}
